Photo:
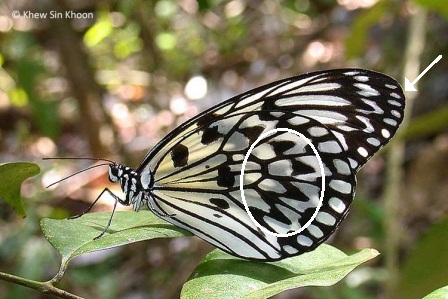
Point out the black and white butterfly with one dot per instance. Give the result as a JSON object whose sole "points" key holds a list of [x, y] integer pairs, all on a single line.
{"points": [[191, 178]]}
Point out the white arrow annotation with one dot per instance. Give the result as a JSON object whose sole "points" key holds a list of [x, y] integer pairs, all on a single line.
{"points": [[409, 86]]}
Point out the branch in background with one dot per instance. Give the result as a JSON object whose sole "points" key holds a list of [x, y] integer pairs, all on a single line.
{"points": [[84, 87], [395, 175], [148, 24]]}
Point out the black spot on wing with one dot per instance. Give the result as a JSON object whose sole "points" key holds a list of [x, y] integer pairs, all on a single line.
{"points": [[252, 133], [225, 177], [282, 146], [269, 105], [210, 135], [206, 119], [179, 155], [299, 168], [220, 203]]}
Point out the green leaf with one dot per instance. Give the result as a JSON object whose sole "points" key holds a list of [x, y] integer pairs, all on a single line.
{"points": [[101, 30], [221, 275], [426, 267], [441, 293], [29, 70], [433, 122], [356, 43], [11, 177], [73, 237]]}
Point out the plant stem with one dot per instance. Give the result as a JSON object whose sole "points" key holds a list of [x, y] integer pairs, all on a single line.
{"points": [[44, 287], [395, 174]]}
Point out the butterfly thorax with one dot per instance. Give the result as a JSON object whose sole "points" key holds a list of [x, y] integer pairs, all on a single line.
{"points": [[135, 186]]}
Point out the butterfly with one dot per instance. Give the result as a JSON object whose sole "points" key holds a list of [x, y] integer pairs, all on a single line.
{"points": [[297, 187]]}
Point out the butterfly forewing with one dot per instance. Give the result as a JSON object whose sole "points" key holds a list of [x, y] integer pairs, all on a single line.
{"points": [[362, 108], [346, 114]]}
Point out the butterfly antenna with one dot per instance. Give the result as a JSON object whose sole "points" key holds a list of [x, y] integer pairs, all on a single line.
{"points": [[79, 158], [78, 172]]}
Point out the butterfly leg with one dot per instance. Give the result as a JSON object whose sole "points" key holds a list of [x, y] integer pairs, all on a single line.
{"points": [[96, 200], [117, 199]]}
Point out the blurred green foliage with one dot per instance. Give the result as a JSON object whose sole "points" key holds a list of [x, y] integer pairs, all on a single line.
{"points": [[12, 176], [431, 123], [425, 267], [437, 6], [357, 42]]}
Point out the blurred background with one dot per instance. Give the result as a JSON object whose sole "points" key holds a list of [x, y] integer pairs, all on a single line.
{"points": [[114, 77]]}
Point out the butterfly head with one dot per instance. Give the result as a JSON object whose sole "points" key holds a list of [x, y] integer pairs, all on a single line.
{"points": [[129, 179], [127, 175], [115, 172], [134, 184]]}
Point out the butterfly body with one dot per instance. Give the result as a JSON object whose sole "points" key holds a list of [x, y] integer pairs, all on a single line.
{"points": [[134, 186], [192, 177]]}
